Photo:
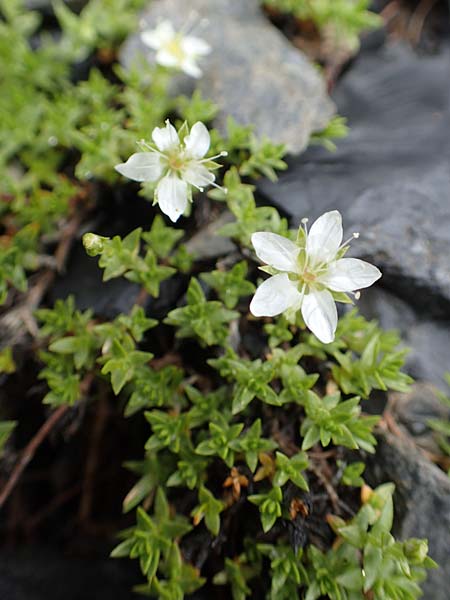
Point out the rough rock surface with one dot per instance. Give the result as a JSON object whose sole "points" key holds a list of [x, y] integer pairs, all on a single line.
{"points": [[405, 231], [390, 178], [427, 339], [422, 503], [413, 410], [398, 109], [430, 355], [207, 244], [253, 73]]}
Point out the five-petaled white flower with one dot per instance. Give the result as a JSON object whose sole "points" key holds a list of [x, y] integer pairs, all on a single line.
{"points": [[176, 166], [310, 274], [174, 49]]}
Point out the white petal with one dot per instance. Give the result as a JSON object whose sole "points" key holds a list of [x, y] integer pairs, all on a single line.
{"points": [[166, 138], [160, 36], [142, 166], [190, 67], [349, 274], [325, 237], [276, 250], [274, 296], [198, 141], [320, 314], [198, 175], [167, 59], [171, 194], [195, 46]]}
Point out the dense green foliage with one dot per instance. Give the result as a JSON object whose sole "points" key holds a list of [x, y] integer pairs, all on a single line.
{"points": [[339, 21], [234, 460]]}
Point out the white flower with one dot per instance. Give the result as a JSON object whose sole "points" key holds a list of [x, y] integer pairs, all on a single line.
{"points": [[176, 166], [309, 274], [173, 49]]}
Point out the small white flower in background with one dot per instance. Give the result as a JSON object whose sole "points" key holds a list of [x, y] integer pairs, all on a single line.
{"points": [[174, 49], [310, 275], [176, 165]]}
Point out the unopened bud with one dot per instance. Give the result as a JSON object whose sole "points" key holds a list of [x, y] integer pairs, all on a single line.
{"points": [[93, 243], [416, 550]]}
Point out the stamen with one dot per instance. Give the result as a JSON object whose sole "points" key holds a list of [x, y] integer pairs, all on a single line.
{"points": [[355, 236], [223, 153], [146, 145], [304, 222], [356, 295], [219, 187], [197, 187]]}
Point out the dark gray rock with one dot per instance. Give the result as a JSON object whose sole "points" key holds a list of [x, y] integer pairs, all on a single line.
{"points": [[405, 231], [430, 351], [84, 282], [390, 178], [207, 244], [428, 340], [253, 73], [422, 504], [390, 311], [398, 109], [413, 410]]}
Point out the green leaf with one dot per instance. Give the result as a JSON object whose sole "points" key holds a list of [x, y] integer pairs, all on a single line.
{"points": [[6, 429], [352, 474], [161, 238], [230, 285], [251, 443], [269, 507], [290, 469], [123, 365], [208, 321], [373, 558], [209, 509], [7, 364]]}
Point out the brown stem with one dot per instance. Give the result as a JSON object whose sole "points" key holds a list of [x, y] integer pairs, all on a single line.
{"points": [[142, 297], [92, 462], [30, 451], [418, 19], [31, 448]]}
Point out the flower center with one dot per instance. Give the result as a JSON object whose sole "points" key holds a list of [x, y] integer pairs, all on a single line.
{"points": [[174, 48], [175, 162], [308, 277]]}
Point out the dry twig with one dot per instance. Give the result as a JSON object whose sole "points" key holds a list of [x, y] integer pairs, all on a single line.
{"points": [[30, 451], [33, 445]]}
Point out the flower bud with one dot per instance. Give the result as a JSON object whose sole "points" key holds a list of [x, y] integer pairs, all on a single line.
{"points": [[93, 244], [416, 550]]}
